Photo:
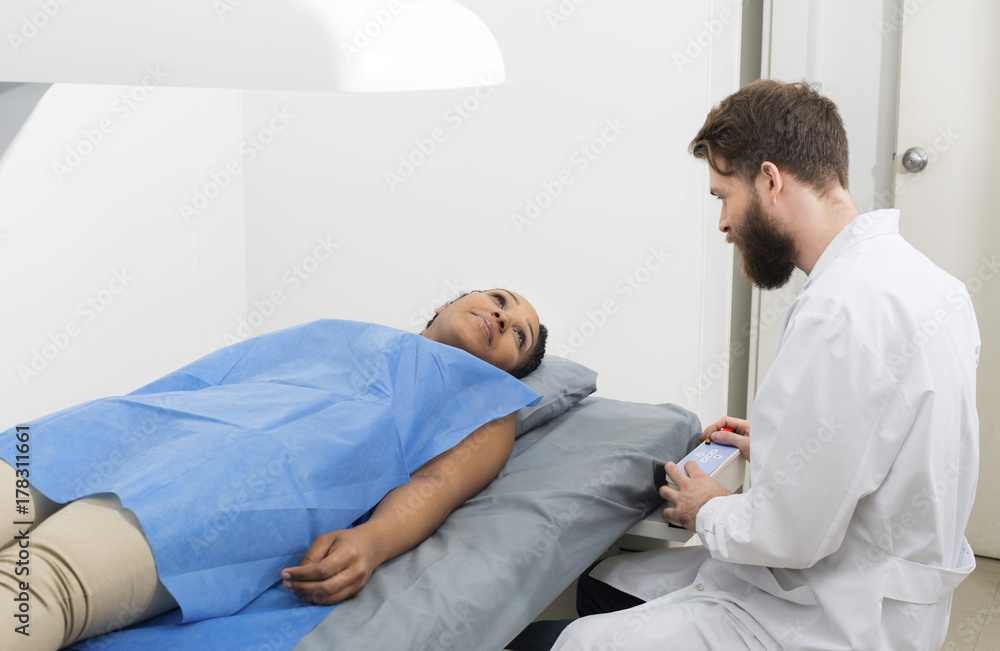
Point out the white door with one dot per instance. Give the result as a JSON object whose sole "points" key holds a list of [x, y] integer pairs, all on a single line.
{"points": [[949, 106]]}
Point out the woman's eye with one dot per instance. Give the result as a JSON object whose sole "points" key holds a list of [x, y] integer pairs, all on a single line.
{"points": [[520, 336], [500, 299]]}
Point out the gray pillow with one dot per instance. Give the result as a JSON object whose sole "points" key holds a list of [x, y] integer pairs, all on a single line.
{"points": [[562, 383]]}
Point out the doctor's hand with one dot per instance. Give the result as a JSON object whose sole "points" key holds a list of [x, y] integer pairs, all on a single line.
{"points": [[694, 492], [739, 437], [335, 567]]}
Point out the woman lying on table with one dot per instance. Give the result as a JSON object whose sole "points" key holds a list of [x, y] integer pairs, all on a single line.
{"points": [[204, 488]]}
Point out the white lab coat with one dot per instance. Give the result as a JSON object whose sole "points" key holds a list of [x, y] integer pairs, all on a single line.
{"points": [[864, 459]]}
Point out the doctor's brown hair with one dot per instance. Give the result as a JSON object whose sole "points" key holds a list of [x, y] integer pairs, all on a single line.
{"points": [[790, 125]]}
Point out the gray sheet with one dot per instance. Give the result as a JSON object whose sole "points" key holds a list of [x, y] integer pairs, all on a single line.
{"points": [[571, 488]]}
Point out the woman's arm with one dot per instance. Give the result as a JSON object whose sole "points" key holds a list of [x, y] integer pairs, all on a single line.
{"points": [[339, 563]]}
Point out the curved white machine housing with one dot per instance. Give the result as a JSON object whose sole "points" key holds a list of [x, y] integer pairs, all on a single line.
{"points": [[311, 45]]}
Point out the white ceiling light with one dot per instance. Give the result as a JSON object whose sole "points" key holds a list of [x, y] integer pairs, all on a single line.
{"points": [[314, 45]]}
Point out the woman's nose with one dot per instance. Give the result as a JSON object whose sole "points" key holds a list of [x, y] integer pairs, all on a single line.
{"points": [[501, 321]]}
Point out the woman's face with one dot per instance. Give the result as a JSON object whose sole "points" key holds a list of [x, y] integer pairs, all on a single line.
{"points": [[497, 326]]}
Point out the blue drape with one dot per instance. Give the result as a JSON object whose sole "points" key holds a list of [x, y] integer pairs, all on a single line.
{"points": [[234, 463]]}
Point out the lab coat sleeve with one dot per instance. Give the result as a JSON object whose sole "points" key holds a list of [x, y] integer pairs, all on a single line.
{"points": [[828, 423]]}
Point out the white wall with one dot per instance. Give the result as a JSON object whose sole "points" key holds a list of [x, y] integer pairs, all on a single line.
{"points": [[104, 285], [407, 243]]}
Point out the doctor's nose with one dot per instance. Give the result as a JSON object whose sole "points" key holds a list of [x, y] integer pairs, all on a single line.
{"points": [[723, 221]]}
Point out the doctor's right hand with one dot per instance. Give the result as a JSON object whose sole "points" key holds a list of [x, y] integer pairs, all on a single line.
{"points": [[739, 437]]}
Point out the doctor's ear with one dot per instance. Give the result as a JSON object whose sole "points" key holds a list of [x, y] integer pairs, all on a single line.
{"points": [[773, 177]]}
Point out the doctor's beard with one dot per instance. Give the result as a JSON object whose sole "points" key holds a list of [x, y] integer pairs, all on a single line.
{"points": [[767, 253]]}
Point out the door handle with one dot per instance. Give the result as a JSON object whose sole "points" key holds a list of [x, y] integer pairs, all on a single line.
{"points": [[914, 159]]}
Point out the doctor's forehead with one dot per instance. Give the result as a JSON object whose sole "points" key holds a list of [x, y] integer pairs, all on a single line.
{"points": [[719, 184]]}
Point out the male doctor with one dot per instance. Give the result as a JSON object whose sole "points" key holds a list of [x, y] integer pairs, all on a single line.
{"points": [[864, 452]]}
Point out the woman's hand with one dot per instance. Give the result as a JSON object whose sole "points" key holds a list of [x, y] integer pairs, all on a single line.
{"points": [[739, 437], [335, 567], [338, 564]]}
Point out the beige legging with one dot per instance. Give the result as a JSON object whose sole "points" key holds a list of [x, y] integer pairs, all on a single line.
{"points": [[87, 567]]}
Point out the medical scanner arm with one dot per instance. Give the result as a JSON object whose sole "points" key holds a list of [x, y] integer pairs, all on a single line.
{"points": [[17, 101]]}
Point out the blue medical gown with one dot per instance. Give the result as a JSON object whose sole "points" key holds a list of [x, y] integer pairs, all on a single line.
{"points": [[234, 463]]}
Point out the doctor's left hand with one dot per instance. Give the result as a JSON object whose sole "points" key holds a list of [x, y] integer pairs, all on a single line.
{"points": [[694, 492], [335, 567]]}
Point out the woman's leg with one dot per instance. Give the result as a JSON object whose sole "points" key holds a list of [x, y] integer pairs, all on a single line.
{"points": [[85, 571], [37, 508]]}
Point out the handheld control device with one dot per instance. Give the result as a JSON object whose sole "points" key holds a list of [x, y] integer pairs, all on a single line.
{"points": [[714, 458], [711, 456]]}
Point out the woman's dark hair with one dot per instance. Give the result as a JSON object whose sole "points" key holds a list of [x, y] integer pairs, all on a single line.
{"points": [[536, 354]]}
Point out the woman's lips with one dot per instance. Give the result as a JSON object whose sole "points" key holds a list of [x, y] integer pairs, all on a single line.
{"points": [[487, 329]]}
